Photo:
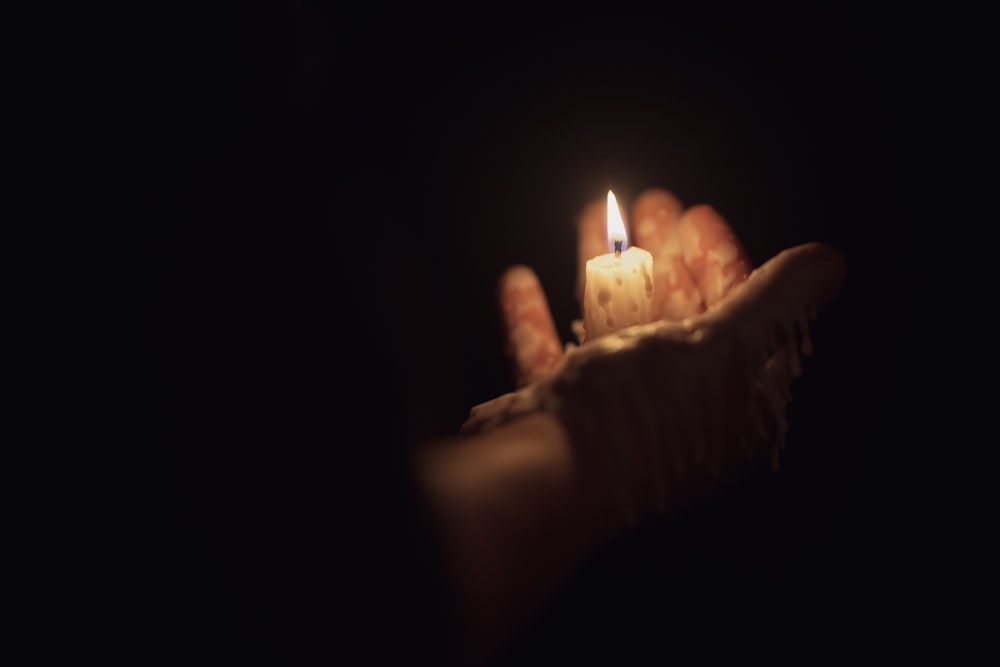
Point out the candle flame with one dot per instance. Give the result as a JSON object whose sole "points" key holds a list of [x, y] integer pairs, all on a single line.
{"points": [[616, 226]]}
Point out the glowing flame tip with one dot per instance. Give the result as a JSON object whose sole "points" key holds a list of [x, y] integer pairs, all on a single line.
{"points": [[615, 225]]}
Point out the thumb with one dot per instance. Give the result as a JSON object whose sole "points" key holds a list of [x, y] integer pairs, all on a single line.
{"points": [[773, 307], [768, 317]]}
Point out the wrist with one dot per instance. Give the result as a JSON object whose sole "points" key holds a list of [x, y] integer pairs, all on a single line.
{"points": [[517, 516]]}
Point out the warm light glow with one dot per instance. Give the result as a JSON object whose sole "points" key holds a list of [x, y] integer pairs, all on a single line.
{"points": [[616, 226]]}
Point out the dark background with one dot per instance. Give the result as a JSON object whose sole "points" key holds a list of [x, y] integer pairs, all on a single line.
{"points": [[468, 141], [341, 185]]}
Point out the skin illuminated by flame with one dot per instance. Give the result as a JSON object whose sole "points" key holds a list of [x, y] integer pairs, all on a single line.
{"points": [[696, 393], [669, 403]]}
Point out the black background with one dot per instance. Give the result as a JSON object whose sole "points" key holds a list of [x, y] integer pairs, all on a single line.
{"points": [[341, 186]]}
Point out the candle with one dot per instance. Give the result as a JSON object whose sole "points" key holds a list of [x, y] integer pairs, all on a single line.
{"points": [[618, 291]]}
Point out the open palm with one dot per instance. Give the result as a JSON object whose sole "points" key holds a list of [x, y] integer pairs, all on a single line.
{"points": [[696, 394]]}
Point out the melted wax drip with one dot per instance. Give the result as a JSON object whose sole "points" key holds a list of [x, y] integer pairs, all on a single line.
{"points": [[770, 360]]}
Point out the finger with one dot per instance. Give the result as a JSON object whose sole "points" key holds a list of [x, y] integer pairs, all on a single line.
{"points": [[655, 218], [771, 311], [716, 258], [777, 301], [591, 239], [531, 341]]}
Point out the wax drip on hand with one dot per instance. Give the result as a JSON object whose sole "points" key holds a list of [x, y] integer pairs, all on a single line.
{"points": [[656, 406]]}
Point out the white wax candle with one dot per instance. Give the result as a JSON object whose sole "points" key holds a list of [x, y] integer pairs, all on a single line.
{"points": [[618, 291]]}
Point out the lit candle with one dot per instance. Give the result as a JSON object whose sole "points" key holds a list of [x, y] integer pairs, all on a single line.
{"points": [[618, 291]]}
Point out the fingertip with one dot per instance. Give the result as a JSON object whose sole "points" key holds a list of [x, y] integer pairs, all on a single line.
{"points": [[591, 238], [513, 284], [700, 214], [594, 213], [654, 218], [695, 222], [652, 200], [517, 276], [532, 342], [591, 230], [803, 278], [829, 268]]}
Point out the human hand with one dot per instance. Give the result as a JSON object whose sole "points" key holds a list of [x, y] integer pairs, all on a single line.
{"points": [[697, 394]]}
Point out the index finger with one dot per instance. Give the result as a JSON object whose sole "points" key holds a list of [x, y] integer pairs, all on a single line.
{"points": [[716, 258], [531, 340], [591, 239], [656, 219]]}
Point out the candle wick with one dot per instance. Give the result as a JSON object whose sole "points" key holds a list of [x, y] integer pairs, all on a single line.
{"points": [[618, 248]]}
